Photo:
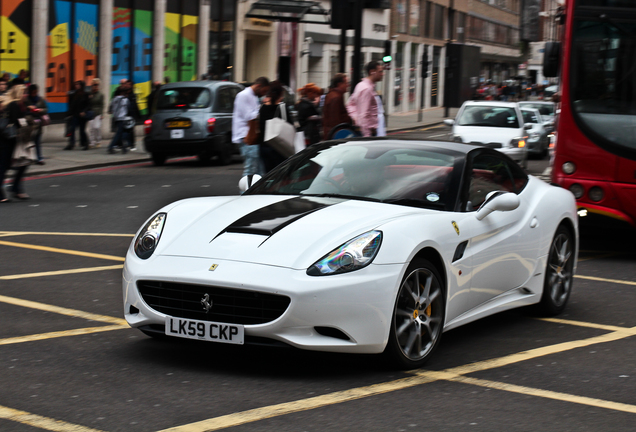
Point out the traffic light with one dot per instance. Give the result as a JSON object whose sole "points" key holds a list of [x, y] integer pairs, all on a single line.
{"points": [[387, 54], [425, 62]]}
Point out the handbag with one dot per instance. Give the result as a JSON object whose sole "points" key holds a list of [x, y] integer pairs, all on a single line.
{"points": [[279, 134], [46, 120], [24, 154]]}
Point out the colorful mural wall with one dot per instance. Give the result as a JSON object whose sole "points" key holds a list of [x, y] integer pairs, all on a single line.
{"points": [[132, 47], [71, 49], [181, 28], [15, 36]]}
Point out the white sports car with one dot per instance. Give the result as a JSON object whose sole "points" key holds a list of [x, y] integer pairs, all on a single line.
{"points": [[363, 246]]}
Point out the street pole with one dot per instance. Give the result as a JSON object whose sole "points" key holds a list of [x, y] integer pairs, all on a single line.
{"points": [[357, 43], [343, 49]]}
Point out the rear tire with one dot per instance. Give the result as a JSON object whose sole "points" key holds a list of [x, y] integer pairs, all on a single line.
{"points": [[159, 158], [418, 316], [559, 273]]}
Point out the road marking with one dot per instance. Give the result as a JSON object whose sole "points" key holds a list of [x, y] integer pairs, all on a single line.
{"points": [[257, 414], [62, 251], [62, 311], [583, 324], [62, 272], [622, 333], [452, 374], [548, 394], [41, 422], [59, 334], [10, 233], [440, 135], [597, 279], [607, 255]]}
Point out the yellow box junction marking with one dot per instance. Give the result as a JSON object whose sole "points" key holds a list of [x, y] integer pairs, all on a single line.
{"points": [[18, 233], [62, 251], [58, 334], [452, 374], [62, 272], [41, 422], [63, 311]]}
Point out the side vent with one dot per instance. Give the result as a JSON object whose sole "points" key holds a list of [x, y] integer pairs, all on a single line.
{"points": [[459, 252]]}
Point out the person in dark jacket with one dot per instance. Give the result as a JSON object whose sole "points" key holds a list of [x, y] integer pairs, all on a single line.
{"points": [[77, 106], [334, 111], [270, 109], [14, 107], [308, 115]]}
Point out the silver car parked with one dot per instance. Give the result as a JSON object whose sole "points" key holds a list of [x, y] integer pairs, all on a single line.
{"points": [[192, 118]]}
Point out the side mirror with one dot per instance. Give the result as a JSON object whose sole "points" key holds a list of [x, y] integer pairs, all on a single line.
{"points": [[246, 182], [498, 201], [528, 126], [449, 122]]}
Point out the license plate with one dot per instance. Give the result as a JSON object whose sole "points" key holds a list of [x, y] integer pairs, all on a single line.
{"points": [[177, 133], [176, 124], [205, 330]]}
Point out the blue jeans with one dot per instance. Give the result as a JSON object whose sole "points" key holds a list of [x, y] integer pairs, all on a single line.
{"points": [[121, 134], [252, 163]]}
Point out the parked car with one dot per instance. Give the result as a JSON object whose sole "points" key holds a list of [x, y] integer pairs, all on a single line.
{"points": [[494, 124], [538, 142], [546, 109], [192, 118], [360, 246]]}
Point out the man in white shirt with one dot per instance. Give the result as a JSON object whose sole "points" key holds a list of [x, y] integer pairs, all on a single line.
{"points": [[246, 107]]}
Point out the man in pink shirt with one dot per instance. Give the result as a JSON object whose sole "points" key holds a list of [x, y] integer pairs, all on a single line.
{"points": [[364, 105]]}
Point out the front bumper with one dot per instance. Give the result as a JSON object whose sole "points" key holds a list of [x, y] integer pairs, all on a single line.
{"points": [[211, 145], [358, 304]]}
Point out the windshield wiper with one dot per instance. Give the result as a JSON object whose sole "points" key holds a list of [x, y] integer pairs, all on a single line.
{"points": [[413, 202], [353, 197]]}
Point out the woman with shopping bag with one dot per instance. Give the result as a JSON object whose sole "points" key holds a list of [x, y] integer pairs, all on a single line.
{"points": [[273, 150], [17, 151]]}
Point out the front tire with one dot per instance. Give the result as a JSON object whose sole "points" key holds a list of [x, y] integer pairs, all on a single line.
{"points": [[559, 273], [418, 316]]}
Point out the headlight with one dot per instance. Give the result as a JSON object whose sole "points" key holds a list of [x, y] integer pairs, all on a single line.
{"points": [[147, 240], [518, 142], [534, 136], [457, 138], [353, 255]]}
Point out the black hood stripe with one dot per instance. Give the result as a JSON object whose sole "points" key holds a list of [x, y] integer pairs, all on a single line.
{"points": [[272, 218]]}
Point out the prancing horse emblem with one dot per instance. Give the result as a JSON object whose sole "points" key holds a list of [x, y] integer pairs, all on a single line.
{"points": [[207, 303]]}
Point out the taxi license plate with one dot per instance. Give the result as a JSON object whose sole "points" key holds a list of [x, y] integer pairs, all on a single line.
{"points": [[176, 124], [205, 330]]}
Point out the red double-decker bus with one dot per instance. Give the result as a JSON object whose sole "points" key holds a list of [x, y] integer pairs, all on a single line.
{"points": [[595, 150]]}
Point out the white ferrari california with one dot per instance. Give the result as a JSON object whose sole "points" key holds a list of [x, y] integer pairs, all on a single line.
{"points": [[359, 246]]}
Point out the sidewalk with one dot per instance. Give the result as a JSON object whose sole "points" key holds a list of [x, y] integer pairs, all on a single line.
{"points": [[58, 160]]}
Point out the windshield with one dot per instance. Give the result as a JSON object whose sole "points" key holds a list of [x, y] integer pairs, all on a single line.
{"points": [[603, 74], [184, 97], [490, 116], [530, 116], [545, 109], [403, 173]]}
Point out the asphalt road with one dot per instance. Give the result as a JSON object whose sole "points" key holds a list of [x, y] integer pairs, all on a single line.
{"points": [[70, 363]]}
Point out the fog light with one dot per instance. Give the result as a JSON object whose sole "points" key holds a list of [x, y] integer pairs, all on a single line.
{"points": [[596, 194], [568, 168], [577, 190]]}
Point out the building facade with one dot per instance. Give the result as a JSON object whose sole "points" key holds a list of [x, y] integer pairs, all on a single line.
{"points": [[63, 41]]}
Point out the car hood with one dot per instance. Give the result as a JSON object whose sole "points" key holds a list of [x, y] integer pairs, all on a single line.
{"points": [[283, 231], [484, 134]]}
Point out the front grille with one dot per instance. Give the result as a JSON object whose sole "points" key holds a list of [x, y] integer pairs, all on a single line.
{"points": [[229, 305]]}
